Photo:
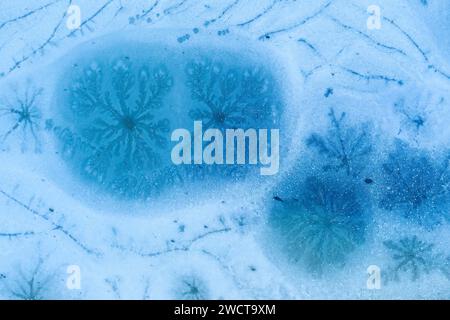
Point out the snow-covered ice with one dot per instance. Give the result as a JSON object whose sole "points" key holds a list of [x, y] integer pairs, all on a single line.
{"points": [[364, 173]]}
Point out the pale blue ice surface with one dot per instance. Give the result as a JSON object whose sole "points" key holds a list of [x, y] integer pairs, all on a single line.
{"points": [[88, 192]]}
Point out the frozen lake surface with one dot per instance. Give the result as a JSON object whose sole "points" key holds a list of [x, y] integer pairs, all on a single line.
{"points": [[91, 206]]}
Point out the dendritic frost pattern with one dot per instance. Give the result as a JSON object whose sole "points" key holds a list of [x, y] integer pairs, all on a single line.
{"points": [[345, 147], [118, 135], [192, 288], [33, 284], [228, 95], [24, 116], [416, 185], [322, 226], [231, 96], [414, 258]]}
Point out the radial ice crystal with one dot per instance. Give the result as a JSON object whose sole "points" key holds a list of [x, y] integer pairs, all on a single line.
{"points": [[322, 225], [114, 131], [231, 96]]}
